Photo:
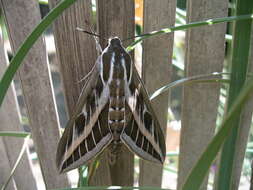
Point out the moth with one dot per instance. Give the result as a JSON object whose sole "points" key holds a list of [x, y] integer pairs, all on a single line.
{"points": [[113, 109]]}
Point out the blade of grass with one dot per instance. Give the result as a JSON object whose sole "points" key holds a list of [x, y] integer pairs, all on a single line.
{"points": [[187, 26], [28, 43], [113, 187], [240, 59], [213, 77], [16, 164], [83, 178], [199, 171], [14, 134]]}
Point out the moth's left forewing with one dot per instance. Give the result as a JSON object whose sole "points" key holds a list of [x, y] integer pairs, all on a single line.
{"points": [[143, 135], [87, 132]]}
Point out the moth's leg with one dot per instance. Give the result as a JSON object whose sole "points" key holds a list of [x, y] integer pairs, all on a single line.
{"points": [[85, 77]]}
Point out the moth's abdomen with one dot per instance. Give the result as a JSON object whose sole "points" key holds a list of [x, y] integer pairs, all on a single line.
{"points": [[116, 115]]}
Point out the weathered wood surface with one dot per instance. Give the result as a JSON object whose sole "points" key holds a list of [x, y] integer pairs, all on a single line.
{"points": [[243, 132], [5, 168], [75, 50], [116, 18], [156, 72], [21, 17], [10, 121], [76, 55], [204, 54]]}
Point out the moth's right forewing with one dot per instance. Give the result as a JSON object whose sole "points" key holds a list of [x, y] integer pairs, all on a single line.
{"points": [[143, 135], [86, 123]]}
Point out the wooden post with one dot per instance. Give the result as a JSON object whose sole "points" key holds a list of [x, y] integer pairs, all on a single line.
{"points": [[21, 18], [5, 168], [156, 72], [76, 53], [204, 55], [116, 18], [10, 121]]}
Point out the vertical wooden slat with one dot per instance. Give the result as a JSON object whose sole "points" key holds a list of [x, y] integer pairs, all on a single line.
{"points": [[75, 50], [76, 54], [156, 71], [116, 18], [21, 18], [5, 168], [204, 54], [243, 133], [9, 117]]}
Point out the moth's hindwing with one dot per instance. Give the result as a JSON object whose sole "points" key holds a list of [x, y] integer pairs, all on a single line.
{"points": [[87, 132], [143, 134]]}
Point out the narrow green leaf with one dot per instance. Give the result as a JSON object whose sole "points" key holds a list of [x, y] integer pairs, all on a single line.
{"points": [[240, 59], [200, 170], [14, 134], [188, 26], [172, 170], [28, 43], [16, 163], [83, 176], [213, 77], [113, 187], [43, 2]]}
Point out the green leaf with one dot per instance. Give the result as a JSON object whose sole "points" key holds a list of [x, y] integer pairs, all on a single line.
{"points": [[113, 187], [83, 176], [187, 26], [28, 43], [200, 170], [213, 77], [14, 134], [240, 58]]}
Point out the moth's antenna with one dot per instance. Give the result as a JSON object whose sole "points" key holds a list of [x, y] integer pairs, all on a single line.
{"points": [[98, 46], [87, 32]]}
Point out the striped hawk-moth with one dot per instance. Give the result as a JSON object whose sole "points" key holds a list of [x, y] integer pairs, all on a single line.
{"points": [[113, 109]]}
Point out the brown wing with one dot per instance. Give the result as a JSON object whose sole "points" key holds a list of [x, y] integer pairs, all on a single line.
{"points": [[143, 134], [87, 132]]}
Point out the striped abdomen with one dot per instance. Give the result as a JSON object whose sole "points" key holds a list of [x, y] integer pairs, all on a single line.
{"points": [[116, 116]]}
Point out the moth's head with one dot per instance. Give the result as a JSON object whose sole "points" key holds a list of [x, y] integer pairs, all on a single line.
{"points": [[114, 42]]}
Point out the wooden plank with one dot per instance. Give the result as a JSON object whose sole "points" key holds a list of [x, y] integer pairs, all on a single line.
{"points": [[156, 71], [5, 168], [204, 54], [116, 18], [244, 131], [9, 117], [76, 51], [76, 54], [21, 18]]}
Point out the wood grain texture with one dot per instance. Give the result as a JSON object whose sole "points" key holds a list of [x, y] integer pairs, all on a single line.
{"points": [[10, 121], [243, 132], [75, 50], [156, 72], [5, 168], [21, 17], [204, 55], [116, 18], [76, 54]]}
